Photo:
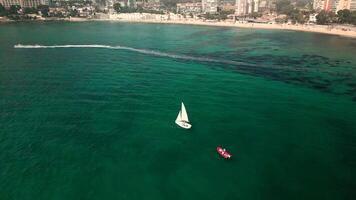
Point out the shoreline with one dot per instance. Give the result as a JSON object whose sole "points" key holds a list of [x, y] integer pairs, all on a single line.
{"points": [[337, 30], [300, 28]]}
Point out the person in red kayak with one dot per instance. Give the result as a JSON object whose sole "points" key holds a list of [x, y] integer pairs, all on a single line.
{"points": [[223, 152]]}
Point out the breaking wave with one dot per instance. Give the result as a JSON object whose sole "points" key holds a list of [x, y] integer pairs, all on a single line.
{"points": [[142, 51]]}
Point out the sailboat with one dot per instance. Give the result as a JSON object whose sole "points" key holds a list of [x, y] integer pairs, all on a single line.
{"points": [[182, 118]]}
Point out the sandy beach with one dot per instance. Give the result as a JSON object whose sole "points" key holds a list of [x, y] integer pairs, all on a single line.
{"points": [[340, 30], [305, 28]]}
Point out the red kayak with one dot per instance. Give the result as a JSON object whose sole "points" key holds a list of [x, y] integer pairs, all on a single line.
{"points": [[223, 153]]}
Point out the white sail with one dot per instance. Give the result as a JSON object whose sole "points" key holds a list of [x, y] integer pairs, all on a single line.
{"points": [[184, 115], [178, 117]]}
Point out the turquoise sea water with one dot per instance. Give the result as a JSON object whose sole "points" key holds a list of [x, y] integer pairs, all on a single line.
{"points": [[98, 123]]}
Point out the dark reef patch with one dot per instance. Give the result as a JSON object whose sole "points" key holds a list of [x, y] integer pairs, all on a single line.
{"points": [[313, 71]]}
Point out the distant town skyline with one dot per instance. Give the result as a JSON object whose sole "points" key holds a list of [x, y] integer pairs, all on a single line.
{"points": [[242, 7], [334, 5], [24, 3]]}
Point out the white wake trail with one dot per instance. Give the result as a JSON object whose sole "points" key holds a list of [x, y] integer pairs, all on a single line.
{"points": [[142, 51]]}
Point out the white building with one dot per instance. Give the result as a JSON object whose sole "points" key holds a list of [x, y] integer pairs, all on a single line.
{"points": [[186, 8], [318, 5], [152, 4], [339, 5], [210, 6], [334, 5], [24, 3], [312, 18], [352, 5], [245, 7], [8, 3]]}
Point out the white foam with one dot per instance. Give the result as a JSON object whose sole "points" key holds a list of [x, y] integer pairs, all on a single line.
{"points": [[143, 51]]}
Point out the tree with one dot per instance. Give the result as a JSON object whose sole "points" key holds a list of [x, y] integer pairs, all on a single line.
{"points": [[284, 7], [74, 13], [322, 18], [325, 17], [211, 16], [301, 3], [14, 9], [44, 10], [170, 5], [30, 10], [353, 17], [344, 16], [117, 7], [296, 16], [2, 10], [255, 15], [139, 9]]}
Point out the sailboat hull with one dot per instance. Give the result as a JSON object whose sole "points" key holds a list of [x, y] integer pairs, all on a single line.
{"points": [[184, 124]]}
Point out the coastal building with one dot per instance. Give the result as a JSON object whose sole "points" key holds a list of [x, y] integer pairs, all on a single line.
{"points": [[110, 4], [340, 5], [152, 4], [334, 5], [318, 5], [210, 6], [8, 3], [312, 18], [245, 7], [24, 3], [31, 3], [228, 6], [328, 4], [86, 11], [352, 5], [58, 12], [187, 8], [123, 3], [263, 5], [240, 7], [140, 3], [345, 4]]}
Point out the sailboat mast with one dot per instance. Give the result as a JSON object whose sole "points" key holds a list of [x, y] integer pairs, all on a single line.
{"points": [[181, 111]]}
